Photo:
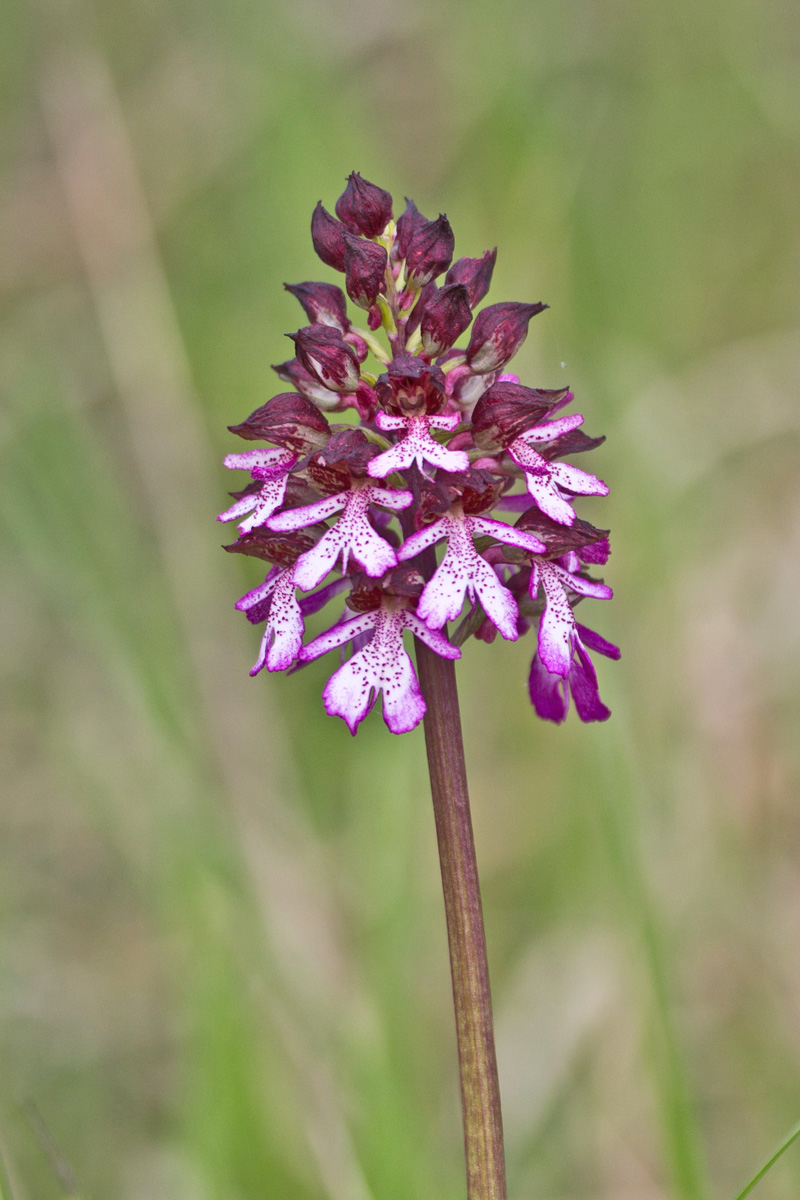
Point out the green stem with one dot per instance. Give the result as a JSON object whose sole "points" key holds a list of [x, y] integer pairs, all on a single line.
{"points": [[480, 1090]]}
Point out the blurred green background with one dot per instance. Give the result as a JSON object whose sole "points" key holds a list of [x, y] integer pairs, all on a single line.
{"points": [[223, 972]]}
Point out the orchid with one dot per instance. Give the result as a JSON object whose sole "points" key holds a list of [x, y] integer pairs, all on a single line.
{"points": [[381, 666], [397, 438], [464, 570], [270, 468], [446, 439], [417, 445]]}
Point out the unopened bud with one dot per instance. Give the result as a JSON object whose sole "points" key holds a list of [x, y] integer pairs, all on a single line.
{"points": [[323, 303], [308, 385], [475, 274], [446, 317], [409, 223], [498, 333], [365, 270], [324, 353], [363, 207], [418, 311], [327, 234], [288, 420], [430, 251]]}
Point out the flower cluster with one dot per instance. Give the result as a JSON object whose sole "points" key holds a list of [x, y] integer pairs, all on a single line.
{"points": [[431, 440]]}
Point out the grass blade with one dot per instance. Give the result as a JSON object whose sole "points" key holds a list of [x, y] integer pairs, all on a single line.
{"points": [[792, 1136]]}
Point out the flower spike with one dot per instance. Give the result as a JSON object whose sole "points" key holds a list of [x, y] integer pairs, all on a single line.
{"points": [[432, 447]]}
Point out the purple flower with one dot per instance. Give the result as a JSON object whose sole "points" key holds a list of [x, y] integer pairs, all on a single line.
{"points": [[461, 439], [290, 420], [410, 222], [276, 603], [550, 693], [351, 536], [445, 318], [464, 570], [381, 666], [417, 445], [546, 479], [558, 630], [269, 467]]}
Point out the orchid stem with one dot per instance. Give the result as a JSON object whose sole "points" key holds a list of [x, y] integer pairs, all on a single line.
{"points": [[480, 1089]]}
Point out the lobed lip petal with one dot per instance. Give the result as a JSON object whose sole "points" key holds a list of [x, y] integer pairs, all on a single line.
{"points": [[352, 536], [275, 602], [380, 666], [418, 446], [505, 533], [420, 541], [462, 570], [557, 625]]}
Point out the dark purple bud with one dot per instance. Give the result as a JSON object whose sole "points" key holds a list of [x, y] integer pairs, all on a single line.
{"points": [[498, 333], [350, 449], [409, 223], [308, 385], [446, 316], [323, 303], [507, 409], [475, 274], [374, 319], [430, 251], [288, 420], [363, 207], [418, 311], [411, 385], [283, 549], [327, 234], [365, 270], [560, 539], [324, 352]]}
